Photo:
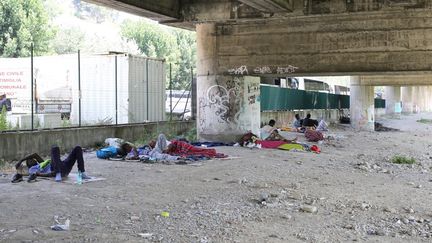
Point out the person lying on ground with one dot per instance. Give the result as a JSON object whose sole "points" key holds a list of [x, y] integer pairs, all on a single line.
{"points": [[177, 149], [308, 122], [125, 150], [128, 150], [54, 167], [160, 149]]}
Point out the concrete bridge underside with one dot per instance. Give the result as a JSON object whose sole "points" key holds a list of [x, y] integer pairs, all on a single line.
{"points": [[378, 42]]}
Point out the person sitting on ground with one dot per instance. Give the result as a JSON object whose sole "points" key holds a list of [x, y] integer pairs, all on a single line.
{"points": [[268, 129], [308, 122], [322, 126], [298, 123], [269, 132], [54, 167]]}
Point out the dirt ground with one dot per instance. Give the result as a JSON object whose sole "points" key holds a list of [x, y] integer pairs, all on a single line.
{"points": [[260, 195]]}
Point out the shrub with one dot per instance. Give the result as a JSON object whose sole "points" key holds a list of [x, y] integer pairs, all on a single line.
{"points": [[398, 159]]}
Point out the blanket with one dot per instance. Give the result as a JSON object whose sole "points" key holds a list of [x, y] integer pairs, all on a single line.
{"points": [[183, 149], [270, 144]]}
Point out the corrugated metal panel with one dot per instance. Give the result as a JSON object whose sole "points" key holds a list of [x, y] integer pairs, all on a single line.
{"points": [[137, 89], [156, 99], [146, 89], [380, 103], [275, 98], [97, 90]]}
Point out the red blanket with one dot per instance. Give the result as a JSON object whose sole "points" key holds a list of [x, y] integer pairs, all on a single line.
{"points": [[184, 149], [270, 144]]}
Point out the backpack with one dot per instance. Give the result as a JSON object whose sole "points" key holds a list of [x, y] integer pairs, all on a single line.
{"points": [[107, 152]]}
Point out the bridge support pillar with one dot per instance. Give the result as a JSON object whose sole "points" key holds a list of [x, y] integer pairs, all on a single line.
{"points": [[392, 95], [407, 99], [227, 106], [362, 107]]}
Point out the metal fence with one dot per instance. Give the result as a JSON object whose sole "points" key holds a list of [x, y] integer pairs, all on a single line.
{"points": [[279, 99], [83, 90]]}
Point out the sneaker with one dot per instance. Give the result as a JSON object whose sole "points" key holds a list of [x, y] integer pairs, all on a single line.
{"points": [[58, 177], [17, 178], [32, 178], [85, 176]]}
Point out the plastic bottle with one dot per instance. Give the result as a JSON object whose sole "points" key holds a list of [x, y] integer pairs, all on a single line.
{"points": [[79, 178]]}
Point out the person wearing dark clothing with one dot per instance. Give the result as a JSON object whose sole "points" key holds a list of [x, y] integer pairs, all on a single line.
{"points": [[5, 103], [51, 167], [308, 122], [65, 166], [125, 149], [298, 123]]}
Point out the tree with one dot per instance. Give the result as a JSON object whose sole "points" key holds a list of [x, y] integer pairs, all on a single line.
{"points": [[99, 14], [3, 121], [152, 40], [68, 40], [23, 22], [176, 46], [186, 43]]}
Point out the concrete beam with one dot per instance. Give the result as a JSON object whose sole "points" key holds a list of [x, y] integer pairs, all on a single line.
{"points": [[396, 80], [187, 13], [376, 43], [270, 6], [161, 10]]}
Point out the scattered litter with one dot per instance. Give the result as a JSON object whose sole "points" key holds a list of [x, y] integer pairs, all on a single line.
{"points": [[264, 197], [165, 214], [309, 209], [145, 235], [61, 227], [380, 128], [134, 218]]}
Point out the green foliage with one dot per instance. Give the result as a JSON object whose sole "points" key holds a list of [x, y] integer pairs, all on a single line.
{"points": [[152, 40], [66, 123], [191, 135], [169, 131], [3, 121], [177, 46], [425, 121], [398, 159], [97, 13], [21, 23], [68, 40]]}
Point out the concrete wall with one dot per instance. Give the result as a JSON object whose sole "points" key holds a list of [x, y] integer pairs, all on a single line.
{"points": [[18, 144], [286, 118]]}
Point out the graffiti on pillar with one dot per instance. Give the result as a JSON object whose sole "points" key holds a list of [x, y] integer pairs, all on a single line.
{"points": [[225, 101], [202, 105], [242, 70], [253, 87], [252, 99], [231, 104]]}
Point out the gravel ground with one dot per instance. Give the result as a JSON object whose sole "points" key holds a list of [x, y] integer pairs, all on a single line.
{"points": [[349, 192]]}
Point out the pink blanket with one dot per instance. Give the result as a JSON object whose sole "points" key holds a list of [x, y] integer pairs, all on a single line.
{"points": [[270, 144]]}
